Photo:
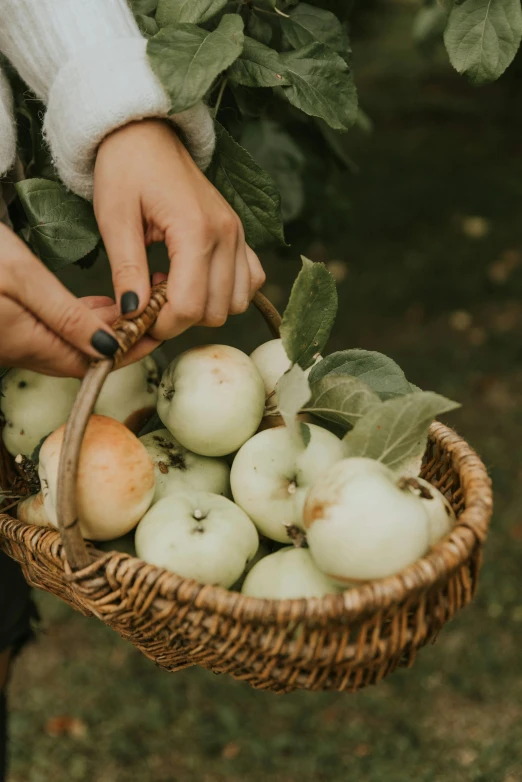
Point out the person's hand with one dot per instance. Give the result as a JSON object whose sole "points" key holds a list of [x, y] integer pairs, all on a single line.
{"points": [[44, 327], [148, 189]]}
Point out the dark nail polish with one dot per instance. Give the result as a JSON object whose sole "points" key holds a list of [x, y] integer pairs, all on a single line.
{"points": [[129, 302], [104, 343]]}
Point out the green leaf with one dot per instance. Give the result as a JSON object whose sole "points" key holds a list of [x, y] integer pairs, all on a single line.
{"points": [[483, 36], [32, 151], [308, 24], [321, 85], [251, 104], [187, 11], [249, 190], [334, 139], [275, 4], [363, 121], [341, 399], [35, 456], [378, 371], [88, 261], [62, 225], [259, 28], [148, 26], [187, 59], [152, 425], [395, 432], [429, 24], [310, 313], [144, 7], [257, 66], [305, 434], [292, 394], [277, 152]]}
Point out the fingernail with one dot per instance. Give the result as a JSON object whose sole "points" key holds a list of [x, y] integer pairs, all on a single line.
{"points": [[104, 343], [129, 302]]}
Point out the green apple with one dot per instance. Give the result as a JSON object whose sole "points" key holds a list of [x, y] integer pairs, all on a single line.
{"points": [[360, 525], [272, 473], [130, 394], [115, 483], [198, 535], [177, 468], [211, 399], [290, 573], [441, 516], [272, 362], [33, 406]]}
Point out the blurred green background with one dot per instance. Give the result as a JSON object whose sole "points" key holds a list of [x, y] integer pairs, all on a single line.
{"points": [[423, 232]]}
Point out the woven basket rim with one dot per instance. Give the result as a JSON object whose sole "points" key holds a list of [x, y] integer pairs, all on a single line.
{"points": [[440, 562]]}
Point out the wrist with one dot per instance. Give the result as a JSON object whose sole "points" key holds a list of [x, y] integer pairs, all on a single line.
{"points": [[138, 131]]}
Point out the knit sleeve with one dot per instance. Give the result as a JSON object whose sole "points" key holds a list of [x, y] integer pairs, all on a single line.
{"points": [[87, 61], [7, 127]]}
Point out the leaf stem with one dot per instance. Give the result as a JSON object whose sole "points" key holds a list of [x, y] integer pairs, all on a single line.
{"points": [[275, 12], [220, 96]]}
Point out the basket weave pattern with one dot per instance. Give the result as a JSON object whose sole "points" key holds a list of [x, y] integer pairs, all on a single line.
{"points": [[339, 642]]}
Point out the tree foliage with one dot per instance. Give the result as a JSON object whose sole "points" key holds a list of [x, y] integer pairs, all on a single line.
{"points": [[271, 71], [258, 65]]}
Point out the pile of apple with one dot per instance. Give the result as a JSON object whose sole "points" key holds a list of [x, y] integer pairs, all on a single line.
{"points": [[279, 473]]}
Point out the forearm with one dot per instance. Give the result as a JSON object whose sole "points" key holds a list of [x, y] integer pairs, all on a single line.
{"points": [[87, 60]]}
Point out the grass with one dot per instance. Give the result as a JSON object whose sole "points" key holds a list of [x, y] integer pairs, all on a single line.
{"points": [[441, 153]]}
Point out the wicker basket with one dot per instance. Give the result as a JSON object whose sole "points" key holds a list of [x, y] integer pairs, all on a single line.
{"points": [[340, 642]]}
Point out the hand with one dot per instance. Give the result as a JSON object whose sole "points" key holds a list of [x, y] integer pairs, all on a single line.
{"points": [[148, 189], [44, 327]]}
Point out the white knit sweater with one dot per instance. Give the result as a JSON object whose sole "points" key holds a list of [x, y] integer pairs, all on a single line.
{"points": [[86, 60], [7, 126]]}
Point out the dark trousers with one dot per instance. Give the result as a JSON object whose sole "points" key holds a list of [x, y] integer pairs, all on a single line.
{"points": [[3, 737], [17, 614]]}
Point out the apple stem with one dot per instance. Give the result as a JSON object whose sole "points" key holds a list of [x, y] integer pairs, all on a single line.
{"points": [[296, 535], [412, 483], [198, 514], [292, 487], [29, 472]]}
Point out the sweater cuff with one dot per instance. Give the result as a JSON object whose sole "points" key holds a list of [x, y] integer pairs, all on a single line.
{"points": [[101, 89], [7, 127]]}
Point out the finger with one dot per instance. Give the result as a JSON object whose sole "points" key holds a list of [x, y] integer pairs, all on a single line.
{"points": [[142, 348], [187, 285], [108, 314], [106, 308], [124, 241], [220, 284], [257, 274], [241, 293], [36, 289], [158, 277], [98, 302], [29, 344]]}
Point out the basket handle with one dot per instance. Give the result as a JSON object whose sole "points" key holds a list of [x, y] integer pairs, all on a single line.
{"points": [[127, 332]]}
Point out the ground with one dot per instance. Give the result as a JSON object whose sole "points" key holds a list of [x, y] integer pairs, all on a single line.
{"points": [[433, 262]]}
